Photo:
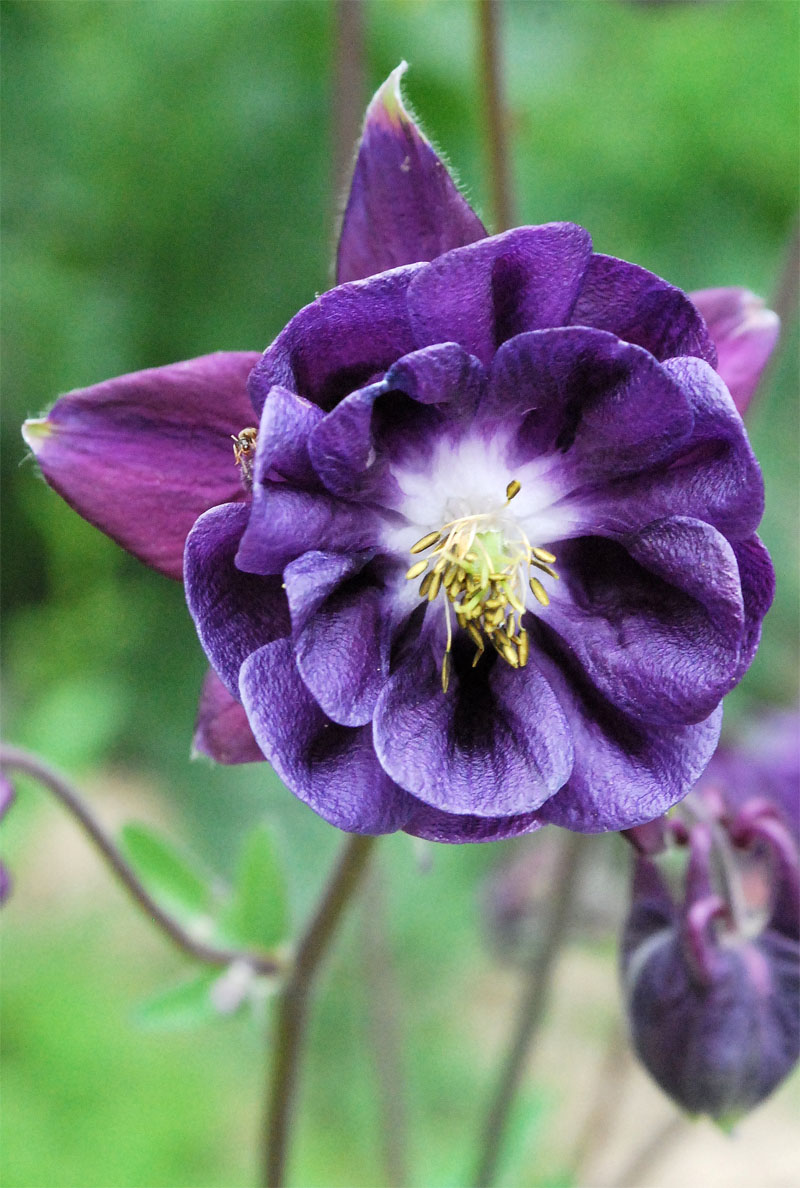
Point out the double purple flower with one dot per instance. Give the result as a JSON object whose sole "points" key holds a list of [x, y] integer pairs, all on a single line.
{"points": [[487, 556]]}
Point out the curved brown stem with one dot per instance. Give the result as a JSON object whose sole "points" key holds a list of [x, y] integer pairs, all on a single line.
{"points": [[293, 1003], [495, 115], [532, 1007], [17, 759]]}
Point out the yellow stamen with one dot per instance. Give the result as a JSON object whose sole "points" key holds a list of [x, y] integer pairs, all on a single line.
{"points": [[539, 592], [432, 538], [416, 569]]}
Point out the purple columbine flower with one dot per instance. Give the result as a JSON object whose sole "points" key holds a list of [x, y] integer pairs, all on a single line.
{"points": [[491, 562], [711, 961]]}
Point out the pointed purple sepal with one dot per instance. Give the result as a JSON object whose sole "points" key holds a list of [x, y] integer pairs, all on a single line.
{"points": [[744, 332], [143, 455], [403, 205], [222, 731]]}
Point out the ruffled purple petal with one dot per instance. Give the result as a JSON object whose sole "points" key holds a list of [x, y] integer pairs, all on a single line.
{"points": [[483, 294], [142, 456], [345, 339], [657, 626], [222, 731], [642, 308], [758, 590], [342, 633], [331, 768], [455, 828], [744, 332], [495, 744], [285, 523], [608, 407], [404, 205], [398, 420], [282, 452], [235, 613], [624, 774], [713, 476]]}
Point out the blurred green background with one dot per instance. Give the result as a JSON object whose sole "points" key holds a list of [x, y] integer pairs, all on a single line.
{"points": [[167, 189]]}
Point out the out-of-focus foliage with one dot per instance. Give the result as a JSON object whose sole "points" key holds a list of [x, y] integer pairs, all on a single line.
{"points": [[167, 191]]}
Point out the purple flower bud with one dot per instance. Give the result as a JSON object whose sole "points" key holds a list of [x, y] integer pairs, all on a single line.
{"points": [[711, 965]]}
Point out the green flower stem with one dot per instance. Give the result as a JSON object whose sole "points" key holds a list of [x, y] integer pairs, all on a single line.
{"points": [[294, 1000], [535, 998], [496, 120], [16, 759]]}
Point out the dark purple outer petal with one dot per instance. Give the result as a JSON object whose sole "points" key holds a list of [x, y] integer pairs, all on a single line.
{"points": [[222, 731], [343, 340], [713, 475], [455, 828], [744, 333], [642, 308], [609, 408], [624, 774], [481, 295], [758, 590], [142, 456], [403, 205], [495, 744], [332, 768], [234, 613], [658, 626]]}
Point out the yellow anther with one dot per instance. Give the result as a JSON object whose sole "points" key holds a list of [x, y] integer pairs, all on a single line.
{"points": [[539, 592], [548, 569], [426, 541], [445, 671], [449, 575], [435, 583], [425, 584], [524, 646], [416, 569], [510, 655], [543, 555], [513, 488]]}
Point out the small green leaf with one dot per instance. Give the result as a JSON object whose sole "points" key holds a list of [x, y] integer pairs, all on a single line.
{"points": [[169, 875], [258, 914], [185, 1005]]}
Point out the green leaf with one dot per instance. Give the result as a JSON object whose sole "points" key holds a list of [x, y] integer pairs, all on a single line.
{"points": [[185, 1005], [170, 876], [258, 914]]}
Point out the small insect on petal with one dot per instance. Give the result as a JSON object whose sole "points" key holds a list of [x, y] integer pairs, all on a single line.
{"points": [[416, 569], [539, 592]]}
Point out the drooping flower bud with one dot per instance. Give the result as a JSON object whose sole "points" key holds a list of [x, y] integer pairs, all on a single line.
{"points": [[711, 960]]}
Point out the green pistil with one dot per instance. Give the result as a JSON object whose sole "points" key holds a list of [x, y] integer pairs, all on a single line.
{"points": [[484, 576]]}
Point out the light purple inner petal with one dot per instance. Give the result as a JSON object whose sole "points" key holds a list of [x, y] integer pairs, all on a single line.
{"points": [[496, 743], [234, 613], [657, 627], [332, 768], [624, 774]]}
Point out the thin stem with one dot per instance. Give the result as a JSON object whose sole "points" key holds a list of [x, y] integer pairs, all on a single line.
{"points": [[532, 1008], [651, 1153], [383, 1014], [348, 89], [614, 1069], [294, 999], [16, 759], [496, 122]]}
